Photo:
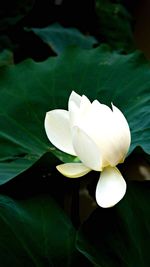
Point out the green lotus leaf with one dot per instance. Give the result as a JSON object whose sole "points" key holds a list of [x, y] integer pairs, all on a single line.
{"points": [[119, 236], [29, 89]]}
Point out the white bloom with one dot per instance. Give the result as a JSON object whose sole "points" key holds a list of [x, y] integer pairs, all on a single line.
{"points": [[99, 136]]}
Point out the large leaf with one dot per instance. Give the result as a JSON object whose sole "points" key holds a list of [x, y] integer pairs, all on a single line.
{"points": [[35, 232], [59, 37], [29, 89], [119, 236]]}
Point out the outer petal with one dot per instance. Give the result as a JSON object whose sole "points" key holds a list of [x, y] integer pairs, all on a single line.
{"points": [[58, 131], [109, 130], [86, 149], [111, 187], [96, 124], [123, 135], [73, 170]]}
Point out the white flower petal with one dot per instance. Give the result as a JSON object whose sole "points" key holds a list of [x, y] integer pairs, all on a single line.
{"points": [[86, 149], [85, 108], [109, 130], [74, 98], [73, 170], [102, 109], [73, 114], [111, 187], [96, 124], [122, 130], [58, 131], [78, 107], [73, 107]]}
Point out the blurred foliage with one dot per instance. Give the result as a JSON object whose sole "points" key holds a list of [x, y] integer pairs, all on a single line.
{"points": [[109, 21], [16, 16], [12, 12], [6, 58], [115, 25], [59, 38]]}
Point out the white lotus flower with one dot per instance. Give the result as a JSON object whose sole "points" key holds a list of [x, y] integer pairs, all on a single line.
{"points": [[99, 136]]}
